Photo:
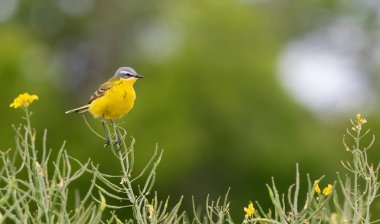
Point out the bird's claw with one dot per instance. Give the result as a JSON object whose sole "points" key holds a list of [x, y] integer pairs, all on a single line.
{"points": [[107, 143], [119, 142]]}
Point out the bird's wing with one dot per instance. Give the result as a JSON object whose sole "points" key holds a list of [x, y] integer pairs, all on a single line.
{"points": [[102, 90]]}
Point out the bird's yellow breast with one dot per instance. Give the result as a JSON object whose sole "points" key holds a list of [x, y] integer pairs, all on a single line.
{"points": [[116, 102]]}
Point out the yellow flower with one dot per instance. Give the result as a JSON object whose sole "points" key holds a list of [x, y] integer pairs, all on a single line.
{"points": [[316, 187], [23, 100], [249, 211], [327, 190], [362, 121]]}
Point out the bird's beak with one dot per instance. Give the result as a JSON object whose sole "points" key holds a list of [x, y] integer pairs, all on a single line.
{"points": [[139, 76]]}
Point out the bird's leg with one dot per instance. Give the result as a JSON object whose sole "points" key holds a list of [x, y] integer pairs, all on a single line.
{"points": [[119, 139], [118, 135], [104, 123]]}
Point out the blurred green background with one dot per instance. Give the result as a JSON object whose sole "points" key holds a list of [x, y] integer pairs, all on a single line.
{"points": [[235, 91]]}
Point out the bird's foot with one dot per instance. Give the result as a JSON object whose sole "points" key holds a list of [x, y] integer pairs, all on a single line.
{"points": [[107, 143], [118, 143]]}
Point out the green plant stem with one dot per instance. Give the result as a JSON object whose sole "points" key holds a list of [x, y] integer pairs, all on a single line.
{"points": [[356, 156], [42, 206], [128, 188]]}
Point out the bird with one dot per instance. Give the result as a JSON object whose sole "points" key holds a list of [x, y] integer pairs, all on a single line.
{"points": [[113, 99]]}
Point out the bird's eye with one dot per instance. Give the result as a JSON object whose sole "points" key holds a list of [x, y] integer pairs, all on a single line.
{"points": [[125, 73]]}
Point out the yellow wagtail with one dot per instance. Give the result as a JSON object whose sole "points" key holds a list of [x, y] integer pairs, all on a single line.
{"points": [[113, 99]]}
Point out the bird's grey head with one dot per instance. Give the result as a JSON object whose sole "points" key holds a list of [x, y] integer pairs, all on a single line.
{"points": [[126, 73]]}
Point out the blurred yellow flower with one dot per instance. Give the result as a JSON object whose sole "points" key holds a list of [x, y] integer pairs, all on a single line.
{"points": [[327, 190], [316, 187], [249, 211], [23, 100], [362, 121]]}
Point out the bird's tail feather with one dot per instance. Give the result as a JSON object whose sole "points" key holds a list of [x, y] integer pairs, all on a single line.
{"points": [[78, 110]]}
